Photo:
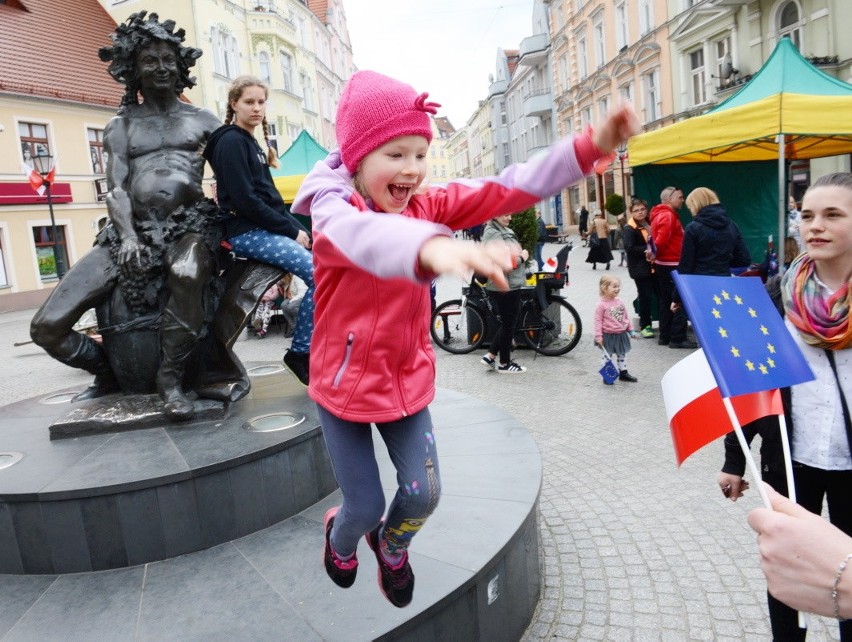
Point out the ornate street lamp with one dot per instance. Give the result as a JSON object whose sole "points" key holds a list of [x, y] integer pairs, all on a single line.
{"points": [[43, 162]]}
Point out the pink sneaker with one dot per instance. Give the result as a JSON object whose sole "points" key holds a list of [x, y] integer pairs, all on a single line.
{"points": [[341, 573]]}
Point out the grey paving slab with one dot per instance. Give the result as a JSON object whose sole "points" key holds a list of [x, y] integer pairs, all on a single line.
{"points": [[215, 594], [84, 607], [19, 593]]}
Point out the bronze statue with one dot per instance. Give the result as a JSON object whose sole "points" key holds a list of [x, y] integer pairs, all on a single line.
{"points": [[154, 272]]}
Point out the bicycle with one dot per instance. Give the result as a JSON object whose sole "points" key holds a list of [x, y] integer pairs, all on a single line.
{"points": [[547, 323]]}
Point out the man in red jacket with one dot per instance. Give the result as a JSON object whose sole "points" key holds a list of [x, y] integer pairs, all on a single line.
{"points": [[667, 233]]}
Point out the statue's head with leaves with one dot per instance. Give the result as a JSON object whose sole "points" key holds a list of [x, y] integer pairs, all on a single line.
{"points": [[139, 31]]}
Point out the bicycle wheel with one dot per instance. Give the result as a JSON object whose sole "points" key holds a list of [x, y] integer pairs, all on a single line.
{"points": [[456, 327], [553, 333]]}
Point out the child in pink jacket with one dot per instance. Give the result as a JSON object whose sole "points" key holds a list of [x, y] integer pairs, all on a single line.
{"points": [[379, 240], [613, 327]]}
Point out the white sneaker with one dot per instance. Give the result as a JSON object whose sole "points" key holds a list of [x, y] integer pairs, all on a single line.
{"points": [[511, 368]]}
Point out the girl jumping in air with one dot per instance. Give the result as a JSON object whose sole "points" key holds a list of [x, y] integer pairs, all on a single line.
{"points": [[378, 242], [613, 328]]}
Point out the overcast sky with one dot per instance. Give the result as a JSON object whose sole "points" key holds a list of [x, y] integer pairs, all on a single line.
{"points": [[444, 47]]}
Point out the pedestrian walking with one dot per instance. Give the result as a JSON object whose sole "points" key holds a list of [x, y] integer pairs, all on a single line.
{"points": [[613, 328], [507, 303], [378, 243], [599, 251]]}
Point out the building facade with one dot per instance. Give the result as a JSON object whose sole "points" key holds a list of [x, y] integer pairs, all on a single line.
{"points": [[299, 48], [62, 111]]}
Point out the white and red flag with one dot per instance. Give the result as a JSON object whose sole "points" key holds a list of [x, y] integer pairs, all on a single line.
{"points": [[695, 409], [37, 182]]}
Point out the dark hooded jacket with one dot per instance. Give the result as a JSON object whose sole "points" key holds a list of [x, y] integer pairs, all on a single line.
{"points": [[244, 186], [712, 244]]}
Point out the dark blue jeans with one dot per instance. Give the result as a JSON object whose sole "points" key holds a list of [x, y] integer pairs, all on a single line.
{"points": [[411, 446]]}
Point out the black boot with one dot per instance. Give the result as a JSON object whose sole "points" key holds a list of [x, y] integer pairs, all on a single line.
{"points": [[626, 376], [176, 343], [89, 355]]}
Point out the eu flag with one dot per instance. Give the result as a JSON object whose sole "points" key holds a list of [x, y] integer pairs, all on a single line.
{"points": [[744, 338]]}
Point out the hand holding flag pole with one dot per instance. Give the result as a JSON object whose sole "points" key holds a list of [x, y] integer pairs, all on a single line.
{"points": [[749, 351]]}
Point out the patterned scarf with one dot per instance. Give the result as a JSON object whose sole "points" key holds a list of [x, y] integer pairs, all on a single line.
{"points": [[821, 322]]}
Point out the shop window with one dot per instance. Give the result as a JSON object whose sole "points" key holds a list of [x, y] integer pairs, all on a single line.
{"points": [[44, 244]]}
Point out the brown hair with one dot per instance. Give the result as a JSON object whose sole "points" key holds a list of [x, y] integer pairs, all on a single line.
{"points": [[699, 198], [235, 91], [837, 179]]}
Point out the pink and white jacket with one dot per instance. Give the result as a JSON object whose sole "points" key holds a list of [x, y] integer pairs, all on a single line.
{"points": [[371, 356], [611, 317]]}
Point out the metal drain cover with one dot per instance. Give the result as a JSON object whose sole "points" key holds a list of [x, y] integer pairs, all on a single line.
{"points": [[274, 421], [10, 458], [259, 371], [62, 397]]}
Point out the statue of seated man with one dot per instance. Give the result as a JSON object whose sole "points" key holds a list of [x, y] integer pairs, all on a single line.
{"points": [[153, 274]]}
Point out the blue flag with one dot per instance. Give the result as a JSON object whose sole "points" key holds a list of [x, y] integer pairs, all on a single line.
{"points": [[744, 338]]}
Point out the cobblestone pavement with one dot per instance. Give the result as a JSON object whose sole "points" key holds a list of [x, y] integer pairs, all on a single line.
{"points": [[632, 547]]}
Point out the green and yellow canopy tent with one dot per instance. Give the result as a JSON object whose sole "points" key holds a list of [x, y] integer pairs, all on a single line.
{"points": [[742, 147], [295, 163]]}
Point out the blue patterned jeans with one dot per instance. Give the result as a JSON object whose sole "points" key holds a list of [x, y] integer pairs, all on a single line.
{"points": [[285, 253]]}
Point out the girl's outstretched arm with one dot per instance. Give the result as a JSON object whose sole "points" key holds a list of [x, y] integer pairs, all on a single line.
{"points": [[444, 255]]}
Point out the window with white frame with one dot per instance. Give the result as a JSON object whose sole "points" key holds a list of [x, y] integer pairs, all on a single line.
{"points": [[286, 62], [698, 77], [600, 40], [265, 67], [563, 72], [4, 280], [646, 16], [790, 23], [586, 116], [33, 141], [626, 91], [96, 150], [653, 105], [293, 131], [622, 27], [723, 56], [49, 250], [225, 52], [603, 108], [307, 91], [582, 56]]}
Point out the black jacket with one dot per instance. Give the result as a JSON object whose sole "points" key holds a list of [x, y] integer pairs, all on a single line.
{"points": [[244, 185], [712, 244], [634, 246]]}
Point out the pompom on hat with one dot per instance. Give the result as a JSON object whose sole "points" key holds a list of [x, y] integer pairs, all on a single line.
{"points": [[375, 109]]}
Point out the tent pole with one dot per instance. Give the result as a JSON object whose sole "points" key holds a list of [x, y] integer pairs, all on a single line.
{"points": [[782, 204]]}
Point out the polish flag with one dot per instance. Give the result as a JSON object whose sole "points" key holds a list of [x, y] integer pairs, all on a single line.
{"points": [[36, 181], [695, 410]]}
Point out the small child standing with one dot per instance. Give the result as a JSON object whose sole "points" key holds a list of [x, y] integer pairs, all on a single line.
{"points": [[613, 328], [379, 240]]}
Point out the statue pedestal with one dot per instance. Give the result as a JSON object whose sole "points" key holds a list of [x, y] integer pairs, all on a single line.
{"points": [[72, 506]]}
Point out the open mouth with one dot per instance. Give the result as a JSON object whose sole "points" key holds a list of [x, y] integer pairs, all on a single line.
{"points": [[399, 192]]}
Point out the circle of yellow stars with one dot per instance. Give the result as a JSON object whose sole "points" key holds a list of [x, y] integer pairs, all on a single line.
{"points": [[762, 366]]}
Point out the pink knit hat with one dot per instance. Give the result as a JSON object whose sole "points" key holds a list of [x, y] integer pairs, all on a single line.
{"points": [[375, 109]]}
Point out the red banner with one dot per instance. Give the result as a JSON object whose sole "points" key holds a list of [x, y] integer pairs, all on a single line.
{"points": [[23, 194]]}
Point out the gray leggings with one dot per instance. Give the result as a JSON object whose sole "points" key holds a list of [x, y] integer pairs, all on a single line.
{"points": [[411, 446]]}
